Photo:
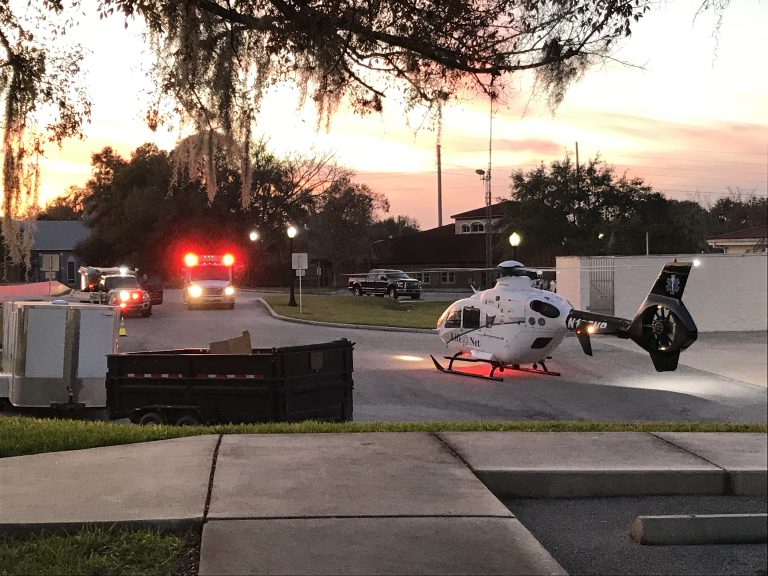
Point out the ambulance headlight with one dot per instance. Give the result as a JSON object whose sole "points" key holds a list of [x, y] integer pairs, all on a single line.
{"points": [[195, 291], [125, 295], [229, 291]]}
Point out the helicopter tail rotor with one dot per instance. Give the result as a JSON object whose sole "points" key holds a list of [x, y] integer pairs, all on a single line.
{"points": [[663, 326]]}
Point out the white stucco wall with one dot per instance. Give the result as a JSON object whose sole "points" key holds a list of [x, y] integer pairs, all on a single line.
{"points": [[727, 292], [572, 280]]}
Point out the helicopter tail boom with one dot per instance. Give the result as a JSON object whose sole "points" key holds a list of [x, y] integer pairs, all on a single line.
{"points": [[662, 325]]}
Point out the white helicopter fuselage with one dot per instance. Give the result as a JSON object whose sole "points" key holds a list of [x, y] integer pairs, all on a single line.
{"points": [[511, 323]]}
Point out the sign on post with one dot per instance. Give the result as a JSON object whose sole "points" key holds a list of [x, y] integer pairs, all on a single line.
{"points": [[50, 263], [299, 262]]}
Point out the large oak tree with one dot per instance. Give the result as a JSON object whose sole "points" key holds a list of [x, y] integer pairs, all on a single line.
{"points": [[216, 58]]}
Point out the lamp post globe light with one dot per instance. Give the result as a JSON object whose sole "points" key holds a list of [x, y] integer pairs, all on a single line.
{"points": [[292, 231], [253, 235], [514, 240]]}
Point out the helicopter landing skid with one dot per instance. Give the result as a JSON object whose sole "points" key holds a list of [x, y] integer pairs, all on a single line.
{"points": [[494, 367]]}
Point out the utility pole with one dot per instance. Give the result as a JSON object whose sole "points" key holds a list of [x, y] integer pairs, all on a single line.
{"points": [[439, 190], [488, 225]]}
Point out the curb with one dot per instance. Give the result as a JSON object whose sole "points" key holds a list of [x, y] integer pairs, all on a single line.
{"points": [[340, 325], [700, 529], [603, 483]]}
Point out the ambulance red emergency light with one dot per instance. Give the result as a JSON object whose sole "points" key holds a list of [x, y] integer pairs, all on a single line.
{"points": [[208, 280]]}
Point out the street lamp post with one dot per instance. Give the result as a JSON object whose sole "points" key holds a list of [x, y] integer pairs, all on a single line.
{"points": [[291, 234], [253, 235], [485, 176], [514, 240]]}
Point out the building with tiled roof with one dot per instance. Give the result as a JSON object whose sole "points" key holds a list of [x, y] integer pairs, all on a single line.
{"points": [[745, 241], [446, 257]]}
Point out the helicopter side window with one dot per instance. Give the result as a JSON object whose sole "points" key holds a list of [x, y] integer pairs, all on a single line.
{"points": [[471, 318], [454, 319]]}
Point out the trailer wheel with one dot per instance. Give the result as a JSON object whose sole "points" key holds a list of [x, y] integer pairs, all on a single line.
{"points": [[149, 418], [188, 420]]}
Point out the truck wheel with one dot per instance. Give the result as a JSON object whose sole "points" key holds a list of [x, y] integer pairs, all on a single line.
{"points": [[188, 420], [231, 305], [151, 418], [358, 291], [392, 293], [415, 296], [146, 313]]}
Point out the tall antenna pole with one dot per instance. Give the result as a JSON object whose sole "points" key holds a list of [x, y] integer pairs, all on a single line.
{"points": [[488, 242], [439, 190]]}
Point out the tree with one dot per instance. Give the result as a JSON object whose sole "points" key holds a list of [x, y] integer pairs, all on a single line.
{"points": [[215, 60], [393, 227], [340, 225], [126, 206], [559, 213], [42, 101], [737, 211], [68, 206]]}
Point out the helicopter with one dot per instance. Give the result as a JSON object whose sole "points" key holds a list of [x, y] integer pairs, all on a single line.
{"points": [[516, 323]]}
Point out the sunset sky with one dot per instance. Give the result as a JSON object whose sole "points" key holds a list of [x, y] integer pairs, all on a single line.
{"points": [[693, 122]]}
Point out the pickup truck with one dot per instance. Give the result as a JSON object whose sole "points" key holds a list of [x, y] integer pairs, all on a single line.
{"points": [[123, 291], [385, 282]]}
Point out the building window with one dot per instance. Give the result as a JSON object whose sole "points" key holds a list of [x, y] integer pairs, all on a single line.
{"points": [[464, 228], [477, 227], [70, 271], [422, 277], [447, 278]]}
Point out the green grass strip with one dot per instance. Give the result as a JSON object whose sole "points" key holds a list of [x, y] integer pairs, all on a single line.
{"points": [[366, 310], [20, 435], [106, 552]]}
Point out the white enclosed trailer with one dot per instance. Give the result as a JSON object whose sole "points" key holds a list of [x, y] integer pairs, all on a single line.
{"points": [[55, 354]]}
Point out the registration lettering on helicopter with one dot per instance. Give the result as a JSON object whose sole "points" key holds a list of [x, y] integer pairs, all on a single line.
{"points": [[572, 323]]}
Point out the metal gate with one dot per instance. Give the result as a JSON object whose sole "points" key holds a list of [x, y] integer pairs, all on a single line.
{"points": [[601, 284]]}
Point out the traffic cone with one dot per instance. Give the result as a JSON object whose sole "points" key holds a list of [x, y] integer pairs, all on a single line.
{"points": [[122, 327]]}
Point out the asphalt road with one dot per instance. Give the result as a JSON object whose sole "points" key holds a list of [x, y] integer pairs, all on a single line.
{"points": [[395, 379], [592, 535]]}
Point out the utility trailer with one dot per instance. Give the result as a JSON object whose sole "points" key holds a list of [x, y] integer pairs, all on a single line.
{"points": [[198, 385], [54, 356]]}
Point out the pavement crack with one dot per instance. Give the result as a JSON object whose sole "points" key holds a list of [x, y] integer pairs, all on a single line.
{"points": [[451, 450], [210, 478], [729, 489]]}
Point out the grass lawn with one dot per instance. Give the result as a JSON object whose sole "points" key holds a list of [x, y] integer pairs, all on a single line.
{"points": [[102, 551], [21, 435], [368, 310]]}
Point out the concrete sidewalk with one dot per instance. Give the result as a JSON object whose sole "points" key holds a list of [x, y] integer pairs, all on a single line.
{"points": [[374, 503]]}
